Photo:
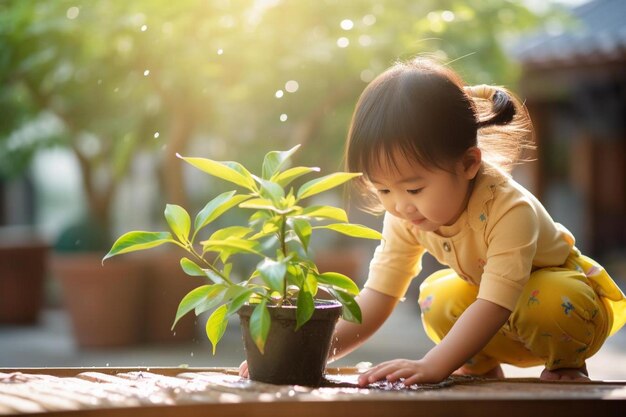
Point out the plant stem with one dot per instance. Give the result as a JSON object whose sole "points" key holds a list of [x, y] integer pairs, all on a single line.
{"points": [[283, 248], [192, 251]]}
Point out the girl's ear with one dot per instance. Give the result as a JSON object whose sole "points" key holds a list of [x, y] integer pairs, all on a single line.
{"points": [[472, 160]]}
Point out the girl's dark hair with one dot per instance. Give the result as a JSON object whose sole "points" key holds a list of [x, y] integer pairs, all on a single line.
{"points": [[422, 110]]}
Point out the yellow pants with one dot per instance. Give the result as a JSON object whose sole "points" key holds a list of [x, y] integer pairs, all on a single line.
{"points": [[563, 316]]}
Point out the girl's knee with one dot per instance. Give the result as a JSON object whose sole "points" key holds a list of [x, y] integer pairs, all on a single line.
{"points": [[443, 298]]}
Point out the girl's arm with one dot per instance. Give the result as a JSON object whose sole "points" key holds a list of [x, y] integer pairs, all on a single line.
{"points": [[469, 335], [375, 308]]}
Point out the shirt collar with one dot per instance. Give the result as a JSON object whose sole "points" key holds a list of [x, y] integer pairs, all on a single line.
{"points": [[489, 177]]}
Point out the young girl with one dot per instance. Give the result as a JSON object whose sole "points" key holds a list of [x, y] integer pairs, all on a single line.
{"points": [[435, 157]]}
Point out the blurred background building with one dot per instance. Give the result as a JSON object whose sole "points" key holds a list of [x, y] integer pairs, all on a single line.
{"points": [[97, 98]]}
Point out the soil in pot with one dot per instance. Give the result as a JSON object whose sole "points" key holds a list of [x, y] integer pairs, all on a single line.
{"points": [[291, 357]]}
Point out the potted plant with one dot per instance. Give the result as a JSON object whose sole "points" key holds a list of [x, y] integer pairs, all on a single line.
{"points": [[287, 308]]}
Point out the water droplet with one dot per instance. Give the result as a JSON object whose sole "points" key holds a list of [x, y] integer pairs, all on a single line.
{"points": [[292, 86], [191, 354], [346, 24], [220, 51], [279, 93], [116, 89], [99, 82], [144, 28], [107, 364], [146, 73], [72, 13], [283, 117], [156, 136], [343, 42]]}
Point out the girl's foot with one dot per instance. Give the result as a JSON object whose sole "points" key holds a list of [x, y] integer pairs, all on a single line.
{"points": [[494, 373], [566, 374]]}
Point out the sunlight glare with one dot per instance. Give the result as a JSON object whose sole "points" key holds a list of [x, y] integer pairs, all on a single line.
{"points": [[347, 24]]}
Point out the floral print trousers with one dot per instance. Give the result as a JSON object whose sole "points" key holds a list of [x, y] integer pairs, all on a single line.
{"points": [[563, 315]]}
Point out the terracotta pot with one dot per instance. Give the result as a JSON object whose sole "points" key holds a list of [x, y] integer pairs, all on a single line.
{"points": [[291, 357], [166, 284], [22, 274], [105, 302]]}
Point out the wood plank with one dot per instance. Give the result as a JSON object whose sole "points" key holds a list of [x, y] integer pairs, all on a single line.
{"points": [[143, 391]]}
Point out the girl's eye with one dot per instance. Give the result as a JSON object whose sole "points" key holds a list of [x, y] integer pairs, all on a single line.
{"points": [[415, 191], [383, 191]]}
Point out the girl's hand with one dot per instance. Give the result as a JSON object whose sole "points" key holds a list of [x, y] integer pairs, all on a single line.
{"points": [[243, 370], [413, 372]]}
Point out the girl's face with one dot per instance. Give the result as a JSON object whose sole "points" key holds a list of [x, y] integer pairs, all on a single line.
{"points": [[428, 198]]}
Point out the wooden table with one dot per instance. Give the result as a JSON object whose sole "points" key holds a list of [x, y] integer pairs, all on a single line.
{"points": [[139, 392]]}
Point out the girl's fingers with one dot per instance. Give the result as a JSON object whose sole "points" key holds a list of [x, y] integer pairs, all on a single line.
{"points": [[377, 373], [243, 369]]}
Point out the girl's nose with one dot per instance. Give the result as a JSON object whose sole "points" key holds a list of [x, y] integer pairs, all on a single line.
{"points": [[405, 207]]}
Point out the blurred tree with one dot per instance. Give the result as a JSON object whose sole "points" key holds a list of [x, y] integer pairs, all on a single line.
{"points": [[108, 78]]}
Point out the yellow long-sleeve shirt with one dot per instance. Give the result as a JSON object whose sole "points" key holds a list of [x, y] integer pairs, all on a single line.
{"points": [[503, 235]]}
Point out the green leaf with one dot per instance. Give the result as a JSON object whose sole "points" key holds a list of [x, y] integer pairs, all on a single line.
{"points": [[273, 274], [239, 301], [351, 310], [232, 232], [326, 212], [191, 300], [264, 204], [270, 190], [310, 284], [191, 268], [216, 325], [226, 170], [217, 296], [303, 231], [338, 281], [216, 207], [134, 241], [260, 325], [353, 230], [179, 221], [285, 178], [327, 182], [214, 276], [305, 308], [274, 160], [233, 245]]}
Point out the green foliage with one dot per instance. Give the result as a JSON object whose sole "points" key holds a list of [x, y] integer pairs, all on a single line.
{"points": [[277, 233]]}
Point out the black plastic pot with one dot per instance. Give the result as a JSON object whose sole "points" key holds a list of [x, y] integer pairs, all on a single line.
{"points": [[291, 357]]}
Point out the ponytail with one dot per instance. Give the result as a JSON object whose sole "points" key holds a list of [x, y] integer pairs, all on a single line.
{"points": [[504, 126]]}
